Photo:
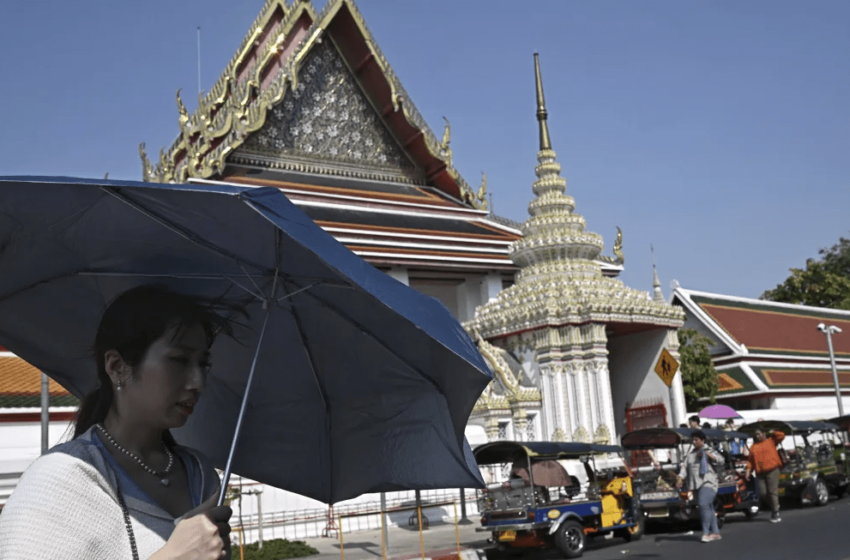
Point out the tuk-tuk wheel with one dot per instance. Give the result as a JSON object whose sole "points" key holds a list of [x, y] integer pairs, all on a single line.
{"points": [[570, 538], [822, 493]]}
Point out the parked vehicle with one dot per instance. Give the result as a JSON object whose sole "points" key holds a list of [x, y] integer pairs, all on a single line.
{"points": [[540, 505], [655, 456], [814, 459]]}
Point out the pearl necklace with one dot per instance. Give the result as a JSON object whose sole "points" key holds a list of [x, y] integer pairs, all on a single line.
{"points": [[159, 474]]}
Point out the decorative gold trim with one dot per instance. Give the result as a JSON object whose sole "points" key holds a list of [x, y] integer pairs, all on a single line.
{"points": [[618, 247], [234, 109], [147, 168]]}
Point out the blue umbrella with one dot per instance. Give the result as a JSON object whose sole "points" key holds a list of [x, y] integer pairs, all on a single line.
{"points": [[343, 381]]}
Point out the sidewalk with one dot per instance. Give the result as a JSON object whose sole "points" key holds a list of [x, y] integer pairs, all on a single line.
{"points": [[404, 544]]}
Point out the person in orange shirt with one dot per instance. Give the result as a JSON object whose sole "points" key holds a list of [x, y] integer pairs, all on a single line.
{"points": [[764, 460]]}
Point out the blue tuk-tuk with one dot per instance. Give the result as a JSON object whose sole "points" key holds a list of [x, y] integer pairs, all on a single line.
{"points": [[540, 505]]}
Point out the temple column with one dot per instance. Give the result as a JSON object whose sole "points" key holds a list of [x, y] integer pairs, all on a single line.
{"points": [[548, 412], [678, 407], [491, 428], [581, 401], [563, 422], [520, 423], [606, 399]]}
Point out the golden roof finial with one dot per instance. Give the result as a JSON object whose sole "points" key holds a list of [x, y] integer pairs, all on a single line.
{"points": [[541, 108]]}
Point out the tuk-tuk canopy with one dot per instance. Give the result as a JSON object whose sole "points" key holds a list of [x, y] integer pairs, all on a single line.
{"points": [[842, 422], [663, 438], [508, 451], [801, 427], [653, 438]]}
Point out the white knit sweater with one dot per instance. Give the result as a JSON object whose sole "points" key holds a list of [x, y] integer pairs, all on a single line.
{"points": [[66, 506]]}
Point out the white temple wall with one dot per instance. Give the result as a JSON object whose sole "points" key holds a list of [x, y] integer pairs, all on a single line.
{"points": [[445, 292], [491, 285], [469, 298], [400, 274], [631, 361], [692, 323]]}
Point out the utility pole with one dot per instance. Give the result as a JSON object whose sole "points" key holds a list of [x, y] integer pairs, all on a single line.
{"points": [[828, 331], [45, 412]]}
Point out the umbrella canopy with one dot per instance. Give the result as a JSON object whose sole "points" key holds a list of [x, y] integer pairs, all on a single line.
{"points": [[719, 412], [361, 383]]}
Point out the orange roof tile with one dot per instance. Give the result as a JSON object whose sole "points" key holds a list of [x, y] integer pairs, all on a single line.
{"points": [[18, 377]]}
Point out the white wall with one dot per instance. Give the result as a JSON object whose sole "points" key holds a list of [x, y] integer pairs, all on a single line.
{"points": [[446, 292], [631, 361], [20, 443], [692, 322]]}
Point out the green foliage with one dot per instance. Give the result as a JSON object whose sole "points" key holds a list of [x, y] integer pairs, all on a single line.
{"points": [[699, 378], [276, 549], [824, 282]]}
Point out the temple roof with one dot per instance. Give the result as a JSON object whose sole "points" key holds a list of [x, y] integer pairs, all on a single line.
{"points": [[414, 226], [20, 385], [752, 326], [769, 347], [263, 85]]}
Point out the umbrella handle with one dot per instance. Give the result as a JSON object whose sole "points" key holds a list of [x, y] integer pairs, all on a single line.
{"points": [[226, 477]]}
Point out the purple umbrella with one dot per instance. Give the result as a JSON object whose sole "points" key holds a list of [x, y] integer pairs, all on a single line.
{"points": [[719, 412]]}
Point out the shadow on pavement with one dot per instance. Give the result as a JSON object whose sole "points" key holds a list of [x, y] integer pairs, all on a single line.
{"points": [[365, 546]]}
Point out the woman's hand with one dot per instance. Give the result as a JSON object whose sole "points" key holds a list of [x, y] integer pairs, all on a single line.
{"points": [[202, 534]]}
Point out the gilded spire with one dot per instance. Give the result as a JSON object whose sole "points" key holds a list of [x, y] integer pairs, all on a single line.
{"points": [[657, 294], [541, 108]]}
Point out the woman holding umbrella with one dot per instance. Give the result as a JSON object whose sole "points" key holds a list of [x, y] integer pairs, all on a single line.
{"points": [[122, 488]]}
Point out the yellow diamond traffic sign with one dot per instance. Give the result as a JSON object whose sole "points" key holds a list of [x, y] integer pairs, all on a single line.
{"points": [[666, 367]]}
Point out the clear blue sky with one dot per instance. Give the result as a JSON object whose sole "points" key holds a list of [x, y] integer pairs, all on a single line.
{"points": [[718, 131]]}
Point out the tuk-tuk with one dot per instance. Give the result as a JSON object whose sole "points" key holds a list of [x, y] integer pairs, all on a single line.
{"points": [[540, 505], [655, 456], [814, 460]]}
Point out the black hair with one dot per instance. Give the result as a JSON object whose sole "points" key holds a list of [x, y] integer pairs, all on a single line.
{"points": [[694, 418], [698, 434], [706, 425], [132, 322]]}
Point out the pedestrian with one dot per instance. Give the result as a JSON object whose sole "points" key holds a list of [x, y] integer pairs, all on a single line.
{"points": [[693, 422], [764, 460], [698, 471], [122, 488], [733, 447]]}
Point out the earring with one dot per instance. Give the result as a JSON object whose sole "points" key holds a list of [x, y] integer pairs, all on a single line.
{"points": [[119, 385]]}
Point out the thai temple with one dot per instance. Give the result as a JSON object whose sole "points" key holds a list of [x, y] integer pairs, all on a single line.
{"points": [[310, 105]]}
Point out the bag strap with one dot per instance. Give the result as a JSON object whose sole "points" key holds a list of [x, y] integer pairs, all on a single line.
{"points": [[129, 526]]}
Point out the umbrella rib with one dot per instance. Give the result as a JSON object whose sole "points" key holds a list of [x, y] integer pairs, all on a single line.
{"points": [[307, 350], [176, 229], [312, 365], [237, 431]]}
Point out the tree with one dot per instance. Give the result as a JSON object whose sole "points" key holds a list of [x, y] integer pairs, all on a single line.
{"points": [[824, 282], [699, 378]]}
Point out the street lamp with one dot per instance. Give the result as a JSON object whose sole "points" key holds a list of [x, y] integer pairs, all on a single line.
{"points": [[828, 331]]}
